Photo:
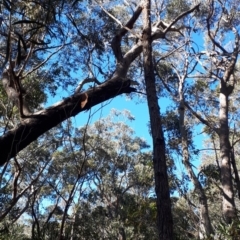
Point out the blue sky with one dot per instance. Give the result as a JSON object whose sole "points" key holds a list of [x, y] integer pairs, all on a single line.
{"points": [[138, 110], [139, 125]]}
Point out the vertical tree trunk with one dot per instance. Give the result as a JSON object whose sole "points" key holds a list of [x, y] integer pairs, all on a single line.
{"points": [[228, 204], [227, 83], [164, 215]]}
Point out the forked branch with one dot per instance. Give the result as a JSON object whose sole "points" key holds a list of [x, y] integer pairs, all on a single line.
{"points": [[116, 41]]}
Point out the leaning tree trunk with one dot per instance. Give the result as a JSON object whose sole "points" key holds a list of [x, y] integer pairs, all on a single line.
{"points": [[205, 227], [164, 215]]}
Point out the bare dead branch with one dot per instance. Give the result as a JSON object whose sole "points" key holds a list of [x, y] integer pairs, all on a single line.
{"points": [[16, 177]]}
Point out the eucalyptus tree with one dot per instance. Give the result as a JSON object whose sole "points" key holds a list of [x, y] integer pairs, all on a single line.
{"points": [[38, 30], [173, 72], [218, 62], [170, 75], [223, 70], [117, 203], [98, 183], [210, 76], [66, 35]]}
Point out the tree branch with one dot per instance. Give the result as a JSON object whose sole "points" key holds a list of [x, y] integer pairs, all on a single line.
{"points": [[36, 125], [180, 16], [209, 30], [42, 63], [116, 41], [200, 118]]}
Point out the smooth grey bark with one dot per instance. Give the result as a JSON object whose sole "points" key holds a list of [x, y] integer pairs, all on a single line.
{"points": [[226, 88], [227, 83], [205, 228], [164, 213], [228, 203]]}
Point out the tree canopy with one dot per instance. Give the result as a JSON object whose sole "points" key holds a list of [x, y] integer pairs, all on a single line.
{"points": [[179, 51]]}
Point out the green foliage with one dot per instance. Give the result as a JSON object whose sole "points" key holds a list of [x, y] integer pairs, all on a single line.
{"points": [[175, 7], [96, 182], [14, 232], [108, 182], [228, 232]]}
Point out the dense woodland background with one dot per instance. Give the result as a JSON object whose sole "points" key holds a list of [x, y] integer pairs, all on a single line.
{"points": [[101, 181]]}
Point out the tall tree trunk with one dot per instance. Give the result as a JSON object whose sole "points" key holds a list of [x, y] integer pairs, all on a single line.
{"points": [[164, 215], [227, 83], [228, 204], [205, 228]]}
